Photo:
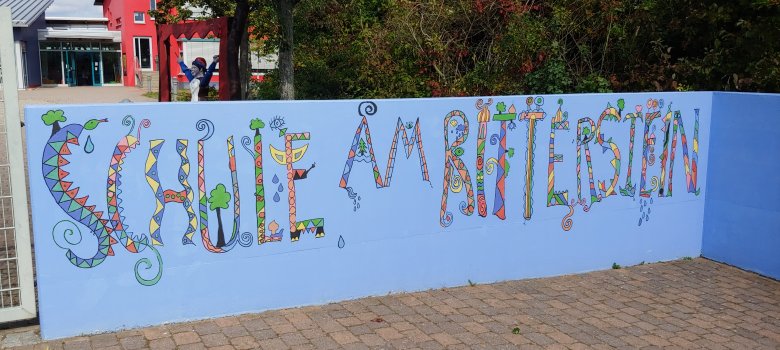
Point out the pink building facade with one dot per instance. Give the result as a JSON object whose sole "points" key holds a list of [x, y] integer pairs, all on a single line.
{"points": [[139, 50]]}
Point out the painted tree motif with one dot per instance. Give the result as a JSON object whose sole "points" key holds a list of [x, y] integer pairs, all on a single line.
{"points": [[256, 125], [53, 119], [362, 147], [219, 199]]}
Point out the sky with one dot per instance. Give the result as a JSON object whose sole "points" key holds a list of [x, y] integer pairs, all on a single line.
{"points": [[74, 8]]}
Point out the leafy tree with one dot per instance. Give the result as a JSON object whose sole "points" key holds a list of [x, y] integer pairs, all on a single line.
{"points": [[53, 118], [170, 11], [218, 199]]}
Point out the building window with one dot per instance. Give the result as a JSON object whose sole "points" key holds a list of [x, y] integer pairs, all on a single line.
{"points": [[51, 67], [80, 63], [139, 17], [143, 52], [152, 5]]}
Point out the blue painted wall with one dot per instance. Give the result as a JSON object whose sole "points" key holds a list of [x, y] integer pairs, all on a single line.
{"points": [[740, 221], [422, 228]]}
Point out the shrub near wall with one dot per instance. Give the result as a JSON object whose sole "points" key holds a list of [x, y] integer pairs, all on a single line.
{"points": [[150, 213]]}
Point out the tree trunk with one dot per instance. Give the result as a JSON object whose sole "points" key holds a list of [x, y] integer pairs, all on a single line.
{"points": [[238, 28], [55, 127], [245, 65], [284, 11], [220, 232]]}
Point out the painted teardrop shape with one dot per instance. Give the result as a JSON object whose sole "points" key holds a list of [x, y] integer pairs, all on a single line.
{"points": [[341, 242], [89, 146]]}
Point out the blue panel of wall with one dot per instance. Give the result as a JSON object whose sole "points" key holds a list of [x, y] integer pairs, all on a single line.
{"points": [[151, 213], [740, 222]]}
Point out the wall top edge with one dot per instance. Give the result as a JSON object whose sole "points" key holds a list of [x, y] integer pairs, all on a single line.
{"points": [[666, 93], [745, 93]]}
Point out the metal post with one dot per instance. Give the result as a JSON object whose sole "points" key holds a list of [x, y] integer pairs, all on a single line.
{"points": [[27, 308]]}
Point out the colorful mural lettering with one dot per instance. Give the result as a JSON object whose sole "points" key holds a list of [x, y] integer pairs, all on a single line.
{"points": [[163, 197], [531, 115], [610, 114], [362, 150], [502, 168], [66, 195], [315, 226], [257, 154], [455, 173], [483, 118], [218, 198], [600, 172]]}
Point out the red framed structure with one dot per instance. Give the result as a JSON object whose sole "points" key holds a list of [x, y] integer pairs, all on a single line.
{"points": [[219, 27]]}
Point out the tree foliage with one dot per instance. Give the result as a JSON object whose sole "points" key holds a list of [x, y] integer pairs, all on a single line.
{"points": [[414, 48]]}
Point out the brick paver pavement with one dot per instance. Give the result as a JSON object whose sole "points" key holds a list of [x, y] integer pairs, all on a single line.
{"points": [[682, 304]]}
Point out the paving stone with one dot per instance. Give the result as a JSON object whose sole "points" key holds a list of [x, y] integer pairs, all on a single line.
{"points": [[162, 344], [445, 339], [283, 328], [133, 342], [243, 343], [227, 321], [292, 339], [235, 331], [101, 341], [206, 327], [155, 333], [372, 340], [264, 334], [214, 340], [255, 324], [185, 338], [344, 337]]}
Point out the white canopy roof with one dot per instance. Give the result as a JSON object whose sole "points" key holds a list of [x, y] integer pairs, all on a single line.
{"points": [[49, 33]]}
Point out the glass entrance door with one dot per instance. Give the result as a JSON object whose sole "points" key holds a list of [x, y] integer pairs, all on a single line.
{"points": [[70, 68], [83, 69], [97, 69]]}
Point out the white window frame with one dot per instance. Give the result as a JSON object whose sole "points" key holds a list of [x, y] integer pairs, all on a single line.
{"points": [[136, 41], [135, 18], [152, 5]]}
